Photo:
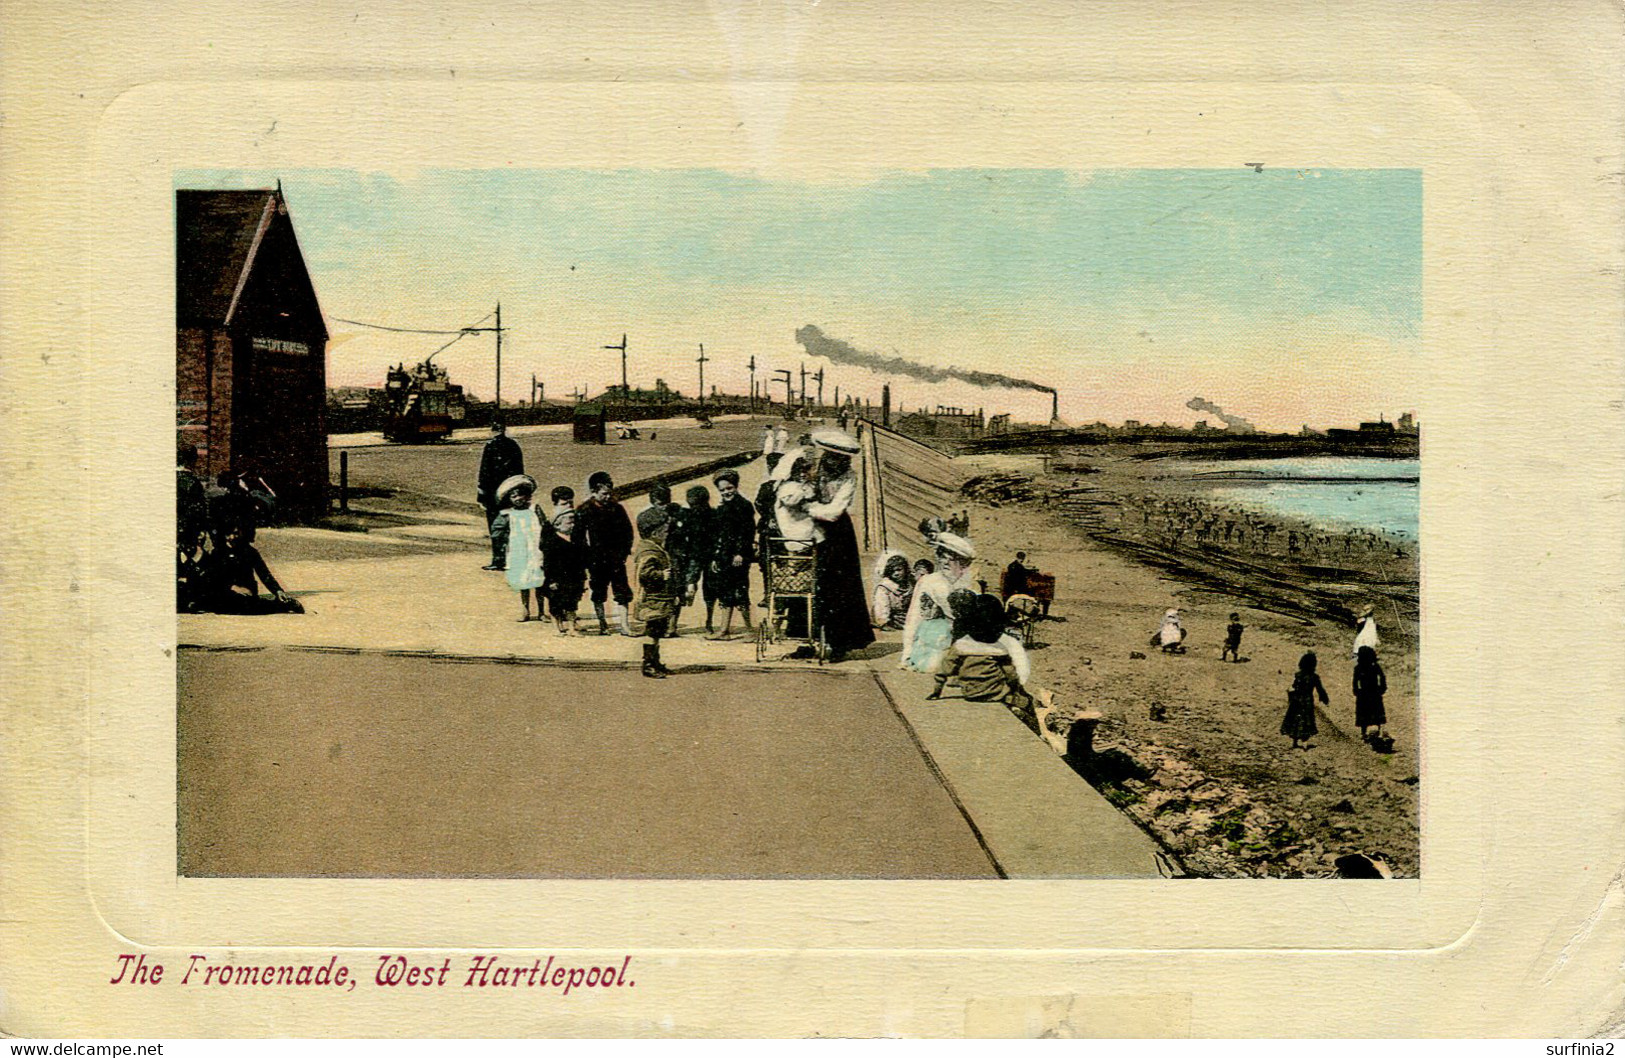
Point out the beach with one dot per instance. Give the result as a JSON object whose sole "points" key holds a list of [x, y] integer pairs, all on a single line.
{"points": [[1223, 791]]}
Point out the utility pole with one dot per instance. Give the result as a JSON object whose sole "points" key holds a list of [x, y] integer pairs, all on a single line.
{"points": [[626, 391], [789, 382], [498, 330], [820, 378], [702, 375], [803, 383], [753, 383]]}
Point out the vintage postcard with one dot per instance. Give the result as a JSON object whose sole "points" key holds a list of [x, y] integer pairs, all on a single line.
{"points": [[994, 554]]}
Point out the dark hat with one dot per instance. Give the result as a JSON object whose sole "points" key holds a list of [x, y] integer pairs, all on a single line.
{"points": [[600, 478], [727, 475], [651, 520]]}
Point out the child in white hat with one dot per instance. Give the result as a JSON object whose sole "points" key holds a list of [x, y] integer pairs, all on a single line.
{"points": [[519, 527]]}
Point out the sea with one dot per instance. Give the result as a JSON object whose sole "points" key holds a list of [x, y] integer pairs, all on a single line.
{"points": [[1391, 507]]}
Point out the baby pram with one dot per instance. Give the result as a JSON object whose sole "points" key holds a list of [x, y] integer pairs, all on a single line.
{"points": [[791, 575]]}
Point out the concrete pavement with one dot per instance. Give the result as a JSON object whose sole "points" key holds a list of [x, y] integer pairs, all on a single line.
{"points": [[410, 592]]}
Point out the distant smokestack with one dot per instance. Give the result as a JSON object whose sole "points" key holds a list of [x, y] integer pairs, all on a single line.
{"points": [[885, 405], [1054, 406]]}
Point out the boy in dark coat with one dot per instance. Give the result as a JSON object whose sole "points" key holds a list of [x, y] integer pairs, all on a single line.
{"points": [[564, 562], [603, 527]]}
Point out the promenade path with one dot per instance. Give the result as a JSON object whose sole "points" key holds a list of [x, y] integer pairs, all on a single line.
{"points": [[408, 725]]}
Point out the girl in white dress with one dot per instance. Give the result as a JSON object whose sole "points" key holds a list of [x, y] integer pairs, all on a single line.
{"points": [[521, 528]]}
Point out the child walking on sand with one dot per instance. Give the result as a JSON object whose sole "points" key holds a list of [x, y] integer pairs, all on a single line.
{"points": [[519, 529], [1299, 724], [1370, 684], [1232, 638]]}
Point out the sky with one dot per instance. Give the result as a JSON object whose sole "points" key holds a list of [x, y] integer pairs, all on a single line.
{"points": [[1288, 297]]}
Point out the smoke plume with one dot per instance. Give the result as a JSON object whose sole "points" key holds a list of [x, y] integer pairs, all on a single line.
{"points": [[817, 343], [1234, 423]]}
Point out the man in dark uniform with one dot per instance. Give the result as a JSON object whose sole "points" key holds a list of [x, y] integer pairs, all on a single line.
{"points": [[500, 461]]}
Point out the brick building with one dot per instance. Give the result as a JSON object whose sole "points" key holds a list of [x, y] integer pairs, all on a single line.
{"points": [[250, 345]]}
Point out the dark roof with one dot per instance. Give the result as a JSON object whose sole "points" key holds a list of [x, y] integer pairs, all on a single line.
{"points": [[214, 233]]}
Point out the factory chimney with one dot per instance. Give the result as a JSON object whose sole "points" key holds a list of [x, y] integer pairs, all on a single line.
{"points": [[885, 405], [1054, 406]]}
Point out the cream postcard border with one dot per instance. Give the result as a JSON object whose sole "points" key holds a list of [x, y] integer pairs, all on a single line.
{"points": [[1512, 113]]}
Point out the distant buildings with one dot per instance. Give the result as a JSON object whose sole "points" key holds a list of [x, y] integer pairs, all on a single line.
{"points": [[945, 422]]}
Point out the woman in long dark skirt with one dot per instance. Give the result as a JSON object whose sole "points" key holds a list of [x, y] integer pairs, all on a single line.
{"points": [[841, 607], [1370, 684], [1299, 724]]}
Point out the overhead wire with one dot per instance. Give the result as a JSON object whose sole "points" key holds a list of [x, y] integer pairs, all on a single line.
{"points": [[413, 330]]}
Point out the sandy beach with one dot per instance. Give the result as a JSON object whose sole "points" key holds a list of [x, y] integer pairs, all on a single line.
{"points": [[1223, 791]]}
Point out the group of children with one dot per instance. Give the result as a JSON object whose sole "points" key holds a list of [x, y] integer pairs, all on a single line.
{"points": [[557, 556], [574, 551], [1370, 683]]}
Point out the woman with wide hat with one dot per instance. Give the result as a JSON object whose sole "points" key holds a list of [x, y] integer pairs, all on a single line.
{"points": [[840, 605]]}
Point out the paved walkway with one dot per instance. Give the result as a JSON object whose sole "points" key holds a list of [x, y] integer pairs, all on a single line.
{"points": [[1037, 818], [412, 587], [302, 764]]}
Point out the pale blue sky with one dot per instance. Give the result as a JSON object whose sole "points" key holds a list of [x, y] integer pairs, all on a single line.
{"points": [[1205, 277]]}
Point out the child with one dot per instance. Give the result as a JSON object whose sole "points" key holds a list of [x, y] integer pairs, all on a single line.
{"points": [[1171, 636], [1299, 724], [603, 528], [1370, 684], [564, 499], [727, 578], [894, 591], [565, 563], [795, 491], [519, 529], [991, 665], [693, 555], [229, 576], [657, 585], [1232, 638]]}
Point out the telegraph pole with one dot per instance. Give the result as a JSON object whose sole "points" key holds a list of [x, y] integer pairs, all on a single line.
{"points": [[753, 383], [803, 383], [702, 375], [498, 330], [626, 391], [820, 378], [789, 382]]}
